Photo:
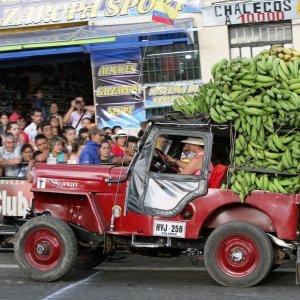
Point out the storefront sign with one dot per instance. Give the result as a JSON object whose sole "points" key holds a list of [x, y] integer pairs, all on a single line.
{"points": [[251, 12], [15, 197], [118, 88], [21, 13], [164, 95]]}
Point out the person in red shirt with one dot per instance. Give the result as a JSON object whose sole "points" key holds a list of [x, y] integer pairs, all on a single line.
{"points": [[119, 148]]}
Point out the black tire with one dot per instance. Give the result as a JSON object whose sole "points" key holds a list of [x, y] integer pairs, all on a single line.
{"points": [[89, 258], [45, 248], [238, 254], [274, 267]]}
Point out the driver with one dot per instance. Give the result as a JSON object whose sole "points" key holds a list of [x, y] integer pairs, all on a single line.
{"points": [[194, 166]]}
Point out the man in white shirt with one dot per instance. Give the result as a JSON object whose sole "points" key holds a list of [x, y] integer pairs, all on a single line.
{"points": [[10, 156], [36, 117], [78, 111]]}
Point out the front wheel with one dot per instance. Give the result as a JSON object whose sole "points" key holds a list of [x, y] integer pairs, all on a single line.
{"points": [[238, 254], [45, 248]]}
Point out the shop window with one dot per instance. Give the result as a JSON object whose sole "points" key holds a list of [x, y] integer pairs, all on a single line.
{"points": [[169, 63], [248, 40], [157, 111]]}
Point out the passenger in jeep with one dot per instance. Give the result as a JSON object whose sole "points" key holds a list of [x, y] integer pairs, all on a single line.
{"points": [[194, 166]]}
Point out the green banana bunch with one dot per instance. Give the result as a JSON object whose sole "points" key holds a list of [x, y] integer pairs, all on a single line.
{"points": [[257, 96]]}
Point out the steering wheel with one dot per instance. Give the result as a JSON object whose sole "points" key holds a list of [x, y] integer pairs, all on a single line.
{"points": [[171, 166]]}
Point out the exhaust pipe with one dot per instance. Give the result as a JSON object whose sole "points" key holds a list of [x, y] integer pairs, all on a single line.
{"points": [[280, 243]]}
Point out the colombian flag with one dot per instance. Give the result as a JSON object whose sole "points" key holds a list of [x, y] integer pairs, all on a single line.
{"points": [[164, 13]]}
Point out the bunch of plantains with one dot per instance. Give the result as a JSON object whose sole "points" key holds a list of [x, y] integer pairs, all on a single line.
{"points": [[260, 96]]}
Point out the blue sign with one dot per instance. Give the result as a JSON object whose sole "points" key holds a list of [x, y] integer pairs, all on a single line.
{"points": [[22, 13]]}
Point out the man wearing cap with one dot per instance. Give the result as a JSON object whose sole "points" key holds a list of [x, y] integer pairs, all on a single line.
{"points": [[90, 153], [194, 166], [21, 121]]}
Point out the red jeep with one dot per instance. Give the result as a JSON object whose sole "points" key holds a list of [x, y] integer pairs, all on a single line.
{"points": [[80, 213]]}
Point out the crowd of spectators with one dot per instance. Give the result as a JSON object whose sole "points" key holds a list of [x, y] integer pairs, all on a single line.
{"points": [[49, 136]]}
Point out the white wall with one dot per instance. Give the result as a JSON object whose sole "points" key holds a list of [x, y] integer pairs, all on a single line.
{"points": [[296, 34], [214, 46]]}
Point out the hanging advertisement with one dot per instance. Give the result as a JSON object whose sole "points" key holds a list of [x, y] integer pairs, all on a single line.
{"points": [[164, 95], [22, 13], [118, 91], [251, 12], [125, 114]]}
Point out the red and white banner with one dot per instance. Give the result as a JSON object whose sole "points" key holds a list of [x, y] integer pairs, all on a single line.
{"points": [[15, 197]]}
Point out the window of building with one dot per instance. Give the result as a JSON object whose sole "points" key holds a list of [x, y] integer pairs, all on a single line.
{"points": [[249, 40], [157, 111], [169, 63]]}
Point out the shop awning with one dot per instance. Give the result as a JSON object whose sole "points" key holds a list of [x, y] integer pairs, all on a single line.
{"points": [[92, 38]]}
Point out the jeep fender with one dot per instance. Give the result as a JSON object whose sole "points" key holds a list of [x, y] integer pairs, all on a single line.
{"points": [[81, 209], [243, 212]]}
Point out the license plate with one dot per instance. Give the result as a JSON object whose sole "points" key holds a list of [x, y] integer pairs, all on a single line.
{"points": [[170, 229]]}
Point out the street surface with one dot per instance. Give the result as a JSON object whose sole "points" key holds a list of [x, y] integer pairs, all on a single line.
{"points": [[140, 277]]}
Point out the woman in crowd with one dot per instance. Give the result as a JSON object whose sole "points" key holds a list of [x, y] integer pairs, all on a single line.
{"points": [[105, 152], [120, 139], [4, 119], [116, 129], [84, 133], [70, 135], [27, 156], [78, 145], [54, 112], [14, 128], [57, 150], [54, 121], [108, 131]]}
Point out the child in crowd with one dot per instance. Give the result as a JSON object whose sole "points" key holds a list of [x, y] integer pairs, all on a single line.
{"points": [[70, 135], [14, 128], [27, 156], [57, 150]]}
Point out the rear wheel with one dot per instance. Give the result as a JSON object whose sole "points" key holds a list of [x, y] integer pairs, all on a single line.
{"points": [[238, 254], [89, 258], [45, 248]]}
